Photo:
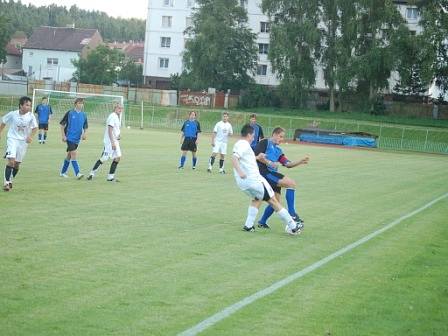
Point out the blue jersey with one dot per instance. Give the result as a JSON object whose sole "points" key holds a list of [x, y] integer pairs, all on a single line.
{"points": [[258, 133], [43, 113], [75, 122], [191, 128], [273, 153]]}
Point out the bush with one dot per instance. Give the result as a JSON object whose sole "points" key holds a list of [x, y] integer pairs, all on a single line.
{"points": [[259, 96]]}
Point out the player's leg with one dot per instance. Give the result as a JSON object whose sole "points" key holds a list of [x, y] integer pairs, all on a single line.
{"points": [[183, 156], [221, 163], [268, 211], [193, 149], [290, 186], [211, 160], [10, 156], [252, 212], [103, 158], [45, 133], [116, 156]]}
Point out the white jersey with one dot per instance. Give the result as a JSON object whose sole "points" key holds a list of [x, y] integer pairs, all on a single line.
{"points": [[223, 130], [248, 162], [20, 125], [114, 121]]}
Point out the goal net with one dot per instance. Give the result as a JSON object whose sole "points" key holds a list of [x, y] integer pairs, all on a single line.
{"points": [[96, 106]]}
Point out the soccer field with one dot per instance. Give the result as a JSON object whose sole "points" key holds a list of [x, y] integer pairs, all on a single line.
{"points": [[163, 250]]}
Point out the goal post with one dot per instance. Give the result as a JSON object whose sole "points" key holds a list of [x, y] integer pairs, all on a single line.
{"points": [[96, 106]]}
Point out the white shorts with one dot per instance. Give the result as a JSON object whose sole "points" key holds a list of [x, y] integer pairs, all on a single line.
{"points": [[220, 147], [109, 153], [255, 188], [16, 149]]}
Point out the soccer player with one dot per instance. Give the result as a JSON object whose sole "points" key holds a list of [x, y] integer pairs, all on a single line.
{"points": [[22, 129], [258, 130], [111, 145], [268, 164], [223, 129], [44, 112], [189, 139], [73, 128], [250, 181]]}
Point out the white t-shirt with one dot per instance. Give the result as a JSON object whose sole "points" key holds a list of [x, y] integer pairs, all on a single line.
{"points": [[20, 125], [248, 162], [223, 130], [114, 121]]}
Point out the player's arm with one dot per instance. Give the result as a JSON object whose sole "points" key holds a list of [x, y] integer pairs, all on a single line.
{"points": [[260, 154], [84, 129], [33, 125], [198, 131], [260, 133], [236, 165], [292, 164], [2, 126], [110, 132], [63, 123]]}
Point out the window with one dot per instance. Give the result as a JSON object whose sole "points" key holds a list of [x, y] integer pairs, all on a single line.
{"points": [[163, 63], [188, 22], [264, 27], [263, 48], [165, 42], [412, 32], [262, 69], [52, 61], [167, 21], [411, 13], [168, 3]]}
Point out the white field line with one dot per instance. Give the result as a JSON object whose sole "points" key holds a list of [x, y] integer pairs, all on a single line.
{"points": [[226, 312]]}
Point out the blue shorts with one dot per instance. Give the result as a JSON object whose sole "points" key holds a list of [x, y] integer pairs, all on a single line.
{"points": [[273, 178]]}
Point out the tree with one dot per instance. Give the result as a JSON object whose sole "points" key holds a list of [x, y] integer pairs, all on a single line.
{"points": [[101, 66], [221, 50], [295, 45], [132, 72], [434, 20], [380, 27], [5, 32]]}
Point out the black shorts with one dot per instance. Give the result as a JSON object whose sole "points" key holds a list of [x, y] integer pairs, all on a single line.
{"points": [[273, 178], [43, 126], [189, 144], [71, 146]]}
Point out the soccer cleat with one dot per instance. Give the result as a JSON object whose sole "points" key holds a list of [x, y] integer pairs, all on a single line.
{"points": [[194, 167], [180, 167], [6, 187], [64, 175], [209, 170], [297, 219], [263, 225], [10, 185], [90, 177], [222, 171], [113, 180], [293, 232], [247, 229], [79, 176]]}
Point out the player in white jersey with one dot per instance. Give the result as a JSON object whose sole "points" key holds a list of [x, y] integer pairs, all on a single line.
{"points": [[250, 181], [220, 137], [112, 148], [22, 128]]}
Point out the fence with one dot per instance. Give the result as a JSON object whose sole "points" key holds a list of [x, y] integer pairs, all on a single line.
{"points": [[389, 136]]}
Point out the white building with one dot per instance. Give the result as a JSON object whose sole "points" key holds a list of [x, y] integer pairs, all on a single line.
{"points": [[50, 51], [165, 39]]}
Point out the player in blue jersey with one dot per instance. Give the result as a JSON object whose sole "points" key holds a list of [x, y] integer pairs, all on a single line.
{"points": [[44, 112], [269, 164], [258, 131], [73, 128], [189, 139]]}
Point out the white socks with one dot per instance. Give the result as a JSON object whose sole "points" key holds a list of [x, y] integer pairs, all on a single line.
{"points": [[286, 218], [251, 215]]}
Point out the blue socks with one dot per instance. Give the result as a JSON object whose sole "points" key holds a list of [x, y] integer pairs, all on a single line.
{"points": [[75, 167], [266, 214], [65, 166], [290, 200], [182, 160], [194, 161]]}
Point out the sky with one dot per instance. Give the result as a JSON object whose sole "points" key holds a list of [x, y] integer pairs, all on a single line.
{"points": [[115, 8]]}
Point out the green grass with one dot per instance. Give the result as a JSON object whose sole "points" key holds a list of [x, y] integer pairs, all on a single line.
{"points": [[163, 249]]}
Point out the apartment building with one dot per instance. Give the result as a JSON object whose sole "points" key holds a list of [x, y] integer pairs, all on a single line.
{"points": [[165, 39]]}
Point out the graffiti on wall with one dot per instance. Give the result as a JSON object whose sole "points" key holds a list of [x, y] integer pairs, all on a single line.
{"points": [[194, 99]]}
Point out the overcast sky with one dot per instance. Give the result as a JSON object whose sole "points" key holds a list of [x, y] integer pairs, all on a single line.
{"points": [[126, 9]]}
